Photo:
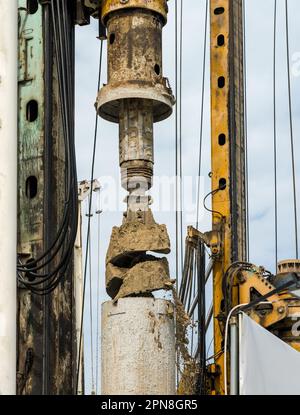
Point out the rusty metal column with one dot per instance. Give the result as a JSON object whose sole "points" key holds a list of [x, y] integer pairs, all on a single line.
{"points": [[8, 194], [46, 330], [228, 159], [136, 96]]}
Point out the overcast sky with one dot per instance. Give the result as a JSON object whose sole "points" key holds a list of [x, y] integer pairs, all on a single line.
{"points": [[259, 50]]}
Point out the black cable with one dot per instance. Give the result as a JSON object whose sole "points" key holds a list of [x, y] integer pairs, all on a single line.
{"points": [[61, 250], [227, 286], [89, 219], [63, 223], [187, 297], [187, 260], [212, 193], [291, 129], [239, 265]]}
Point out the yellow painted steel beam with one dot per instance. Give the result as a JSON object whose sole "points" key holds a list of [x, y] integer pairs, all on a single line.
{"points": [[227, 143]]}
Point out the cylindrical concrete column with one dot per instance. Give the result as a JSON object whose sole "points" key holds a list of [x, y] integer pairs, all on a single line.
{"points": [[138, 347], [8, 193]]}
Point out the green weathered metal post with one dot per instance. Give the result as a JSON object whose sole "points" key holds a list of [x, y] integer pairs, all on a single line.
{"points": [[46, 340], [8, 199]]}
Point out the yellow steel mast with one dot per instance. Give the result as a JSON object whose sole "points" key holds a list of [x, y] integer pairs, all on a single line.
{"points": [[228, 161]]}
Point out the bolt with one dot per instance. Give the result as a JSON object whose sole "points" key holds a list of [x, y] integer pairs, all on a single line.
{"points": [[124, 1], [280, 310], [242, 278]]}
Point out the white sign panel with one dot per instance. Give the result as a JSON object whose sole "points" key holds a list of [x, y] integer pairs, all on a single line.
{"points": [[267, 365]]}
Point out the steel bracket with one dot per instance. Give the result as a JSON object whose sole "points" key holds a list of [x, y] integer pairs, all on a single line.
{"points": [[211, 239], [248, 282]]}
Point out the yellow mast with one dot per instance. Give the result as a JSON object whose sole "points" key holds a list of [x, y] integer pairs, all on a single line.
{"points": [[228, 162]]}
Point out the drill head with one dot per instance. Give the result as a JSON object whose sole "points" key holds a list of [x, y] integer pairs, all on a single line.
{"points": [[136, 150]]}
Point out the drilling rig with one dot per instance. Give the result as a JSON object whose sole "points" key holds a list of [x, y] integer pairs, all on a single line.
{"points": [[139, 330], [238, 286], [136, 96]]}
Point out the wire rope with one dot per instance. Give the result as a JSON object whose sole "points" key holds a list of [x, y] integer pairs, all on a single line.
{"points": [[291, 129], [246, 133], [275, 138], [89, 217], [91, 309]]}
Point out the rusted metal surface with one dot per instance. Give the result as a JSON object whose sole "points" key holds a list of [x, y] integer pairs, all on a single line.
{"points": [[136, 96], [45, 325], [289, 266], [62, 338], [136, 143], [135, 65], [82, 15], [158, 6], [30, 213]]}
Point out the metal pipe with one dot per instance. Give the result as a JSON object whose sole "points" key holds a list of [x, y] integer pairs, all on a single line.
{"points": [[234, 368], [201, 317], [138, 347], [8, 193], [207, 275], [78, 293], [84, 189], [209, 317], [207, 323]]}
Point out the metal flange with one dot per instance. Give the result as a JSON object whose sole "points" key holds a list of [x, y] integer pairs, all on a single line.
{"points": [[157, 6]]}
